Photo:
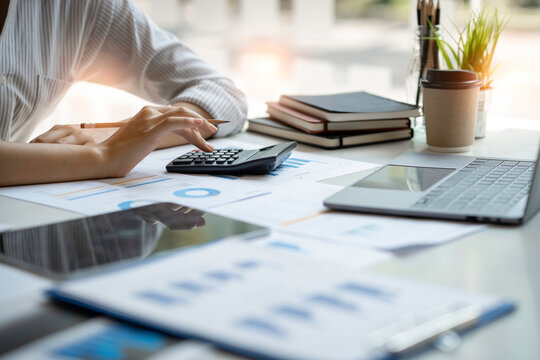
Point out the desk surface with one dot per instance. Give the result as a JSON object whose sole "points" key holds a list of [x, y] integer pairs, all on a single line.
{"points": [[501, 260]]}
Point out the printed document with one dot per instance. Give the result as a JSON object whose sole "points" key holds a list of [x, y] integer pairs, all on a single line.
{"points": [[299, 209], [150, 183], [270, 304], [379, 232], [329, 252]]}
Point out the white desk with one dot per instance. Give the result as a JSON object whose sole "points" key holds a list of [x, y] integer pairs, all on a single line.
{"points": [[501, 260]]}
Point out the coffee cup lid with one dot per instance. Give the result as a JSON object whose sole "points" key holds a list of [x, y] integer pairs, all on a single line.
{"points": [[451, 79]]}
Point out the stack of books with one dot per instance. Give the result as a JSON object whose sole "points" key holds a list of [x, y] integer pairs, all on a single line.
{"points": [[337, 120]]}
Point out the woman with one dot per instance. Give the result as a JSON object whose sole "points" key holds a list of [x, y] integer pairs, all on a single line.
{"points": [[45, 46]]}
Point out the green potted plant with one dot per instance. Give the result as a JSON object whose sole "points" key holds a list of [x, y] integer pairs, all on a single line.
{"points": [[473, 49]]}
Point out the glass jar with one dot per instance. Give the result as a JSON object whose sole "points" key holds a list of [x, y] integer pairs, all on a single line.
{"points": [[424, 56]]}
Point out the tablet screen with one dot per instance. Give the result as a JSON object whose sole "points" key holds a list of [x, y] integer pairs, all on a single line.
{"points": [[66, 249]]}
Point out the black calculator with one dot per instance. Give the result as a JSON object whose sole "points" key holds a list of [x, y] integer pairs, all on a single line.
{"points": [[232, 161]]}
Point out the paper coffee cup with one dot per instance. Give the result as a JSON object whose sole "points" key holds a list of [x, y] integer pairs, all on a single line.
{"points": [[450, 108]]}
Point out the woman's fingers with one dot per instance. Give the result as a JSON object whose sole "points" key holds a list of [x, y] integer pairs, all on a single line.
{"points": [[194, 137], [52, 135], [186, 112], [209, 128], [162, 111], [65, 134], [186, 127], [173, 123], [160, 120]]}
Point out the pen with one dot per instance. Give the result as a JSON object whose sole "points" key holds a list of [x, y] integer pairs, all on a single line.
{"points": [[121, 123], [422, 334]]}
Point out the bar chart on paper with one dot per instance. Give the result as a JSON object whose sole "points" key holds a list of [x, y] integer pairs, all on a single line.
{"points": [[317, 313], [290, 163], [137, 189], [329, 251], [305, 167], [379, 232], [240, 273], [86, 189]]}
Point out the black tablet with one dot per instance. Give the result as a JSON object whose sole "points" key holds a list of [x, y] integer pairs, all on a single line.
{"points": [[72, 248]]}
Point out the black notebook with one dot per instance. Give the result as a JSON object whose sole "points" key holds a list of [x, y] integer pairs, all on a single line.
{"points": [[327, 141], [350, 106]]}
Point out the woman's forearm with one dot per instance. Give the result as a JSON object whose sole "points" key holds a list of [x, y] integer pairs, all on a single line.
{"points": [[40, 163], [115, 157]]}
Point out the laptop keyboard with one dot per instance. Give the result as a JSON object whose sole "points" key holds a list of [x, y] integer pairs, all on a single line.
{"points": [[484, 185]]}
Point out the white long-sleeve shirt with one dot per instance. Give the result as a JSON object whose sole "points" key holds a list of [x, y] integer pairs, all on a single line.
{"points": [[45, 46]]}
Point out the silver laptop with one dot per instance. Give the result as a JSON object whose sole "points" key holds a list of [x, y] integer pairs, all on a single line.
{"points": [[454, 187]]}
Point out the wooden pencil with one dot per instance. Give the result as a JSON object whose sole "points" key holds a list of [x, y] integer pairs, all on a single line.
{"points": [[121, 123]]}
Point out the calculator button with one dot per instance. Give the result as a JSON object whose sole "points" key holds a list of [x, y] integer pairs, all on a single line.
{"points": [[230, 161], [210, 161], [220, 161], [198, 161]]}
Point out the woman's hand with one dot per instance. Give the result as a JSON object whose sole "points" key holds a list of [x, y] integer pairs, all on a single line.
{"points": [[142, 133], [43, 162], [74, 135]]}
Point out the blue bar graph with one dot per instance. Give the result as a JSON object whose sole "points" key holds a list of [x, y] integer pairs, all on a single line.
{"points": [[362, 230], [296, 161], [294, 312], [366, 290], [148, 182], [247, 264], [285, 164], [285, 246], [262, 326], [161, 298], [223, 276], [191, 286], [332, 301], [293, 163], [93, 194]]}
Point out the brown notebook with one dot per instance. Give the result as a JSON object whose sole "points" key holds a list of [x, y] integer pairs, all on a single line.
{"points": [[327, 141], [314, 125]]}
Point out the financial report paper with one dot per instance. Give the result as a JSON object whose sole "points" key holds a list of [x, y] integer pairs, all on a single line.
{"points": [[149, 182], [269, 304]]}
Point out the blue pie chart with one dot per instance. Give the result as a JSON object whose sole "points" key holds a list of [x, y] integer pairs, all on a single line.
{"points": [[196, 192], [134, 203]]}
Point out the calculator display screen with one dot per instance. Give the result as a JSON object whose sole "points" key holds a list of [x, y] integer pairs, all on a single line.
{"points": [[74, 247], [408, 178]]}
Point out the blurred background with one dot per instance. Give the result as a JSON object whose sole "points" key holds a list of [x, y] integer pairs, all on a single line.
{"points": [[273, 47]]}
